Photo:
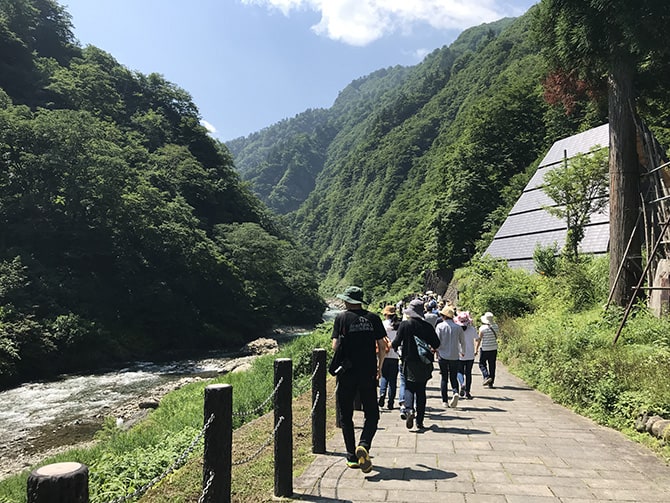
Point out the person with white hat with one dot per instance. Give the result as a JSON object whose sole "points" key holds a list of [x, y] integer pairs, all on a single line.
{"points": [[487, 346], [415, 333]]}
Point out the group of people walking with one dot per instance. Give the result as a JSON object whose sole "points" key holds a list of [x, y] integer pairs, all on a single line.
{"points": [[369, 350]]}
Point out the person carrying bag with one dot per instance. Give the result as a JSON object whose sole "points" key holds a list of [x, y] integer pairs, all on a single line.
{"points": [[414, 333]]}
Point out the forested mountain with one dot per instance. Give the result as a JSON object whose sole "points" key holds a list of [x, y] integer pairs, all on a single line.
{"points": [[124, 227], [421, 163]]}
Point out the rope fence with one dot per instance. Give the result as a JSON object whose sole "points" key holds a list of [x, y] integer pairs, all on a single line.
{"points": [[69, 481]]}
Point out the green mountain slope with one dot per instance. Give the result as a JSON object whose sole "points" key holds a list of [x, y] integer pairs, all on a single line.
{"points": [[418, 171], [124, 227]]}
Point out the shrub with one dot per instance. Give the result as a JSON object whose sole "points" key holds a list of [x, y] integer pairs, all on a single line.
{"points": [[546, 259], [490, 285]]}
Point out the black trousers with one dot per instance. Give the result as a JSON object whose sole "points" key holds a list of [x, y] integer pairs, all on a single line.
{"points": [[347, 386]]}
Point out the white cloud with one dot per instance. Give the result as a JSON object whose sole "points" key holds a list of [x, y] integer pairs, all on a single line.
{"points": [[359, 22], [419, 54], [209, 127]]}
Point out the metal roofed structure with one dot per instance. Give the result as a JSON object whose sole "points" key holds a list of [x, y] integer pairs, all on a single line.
{"points": [[528, 224]]}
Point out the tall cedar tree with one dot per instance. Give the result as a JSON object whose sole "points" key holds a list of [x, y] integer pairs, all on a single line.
{"points": [[619, 43]]}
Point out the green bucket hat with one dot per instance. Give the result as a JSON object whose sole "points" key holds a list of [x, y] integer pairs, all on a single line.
{"points": [[352, 295]]}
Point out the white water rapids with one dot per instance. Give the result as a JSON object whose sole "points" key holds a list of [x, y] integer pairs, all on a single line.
{"points": [[39, 416]]}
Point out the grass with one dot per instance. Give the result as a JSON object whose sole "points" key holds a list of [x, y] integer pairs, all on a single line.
{"points": [[252, 482]]}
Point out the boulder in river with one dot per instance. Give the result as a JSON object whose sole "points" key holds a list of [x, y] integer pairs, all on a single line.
{"points": [[260, 346]]}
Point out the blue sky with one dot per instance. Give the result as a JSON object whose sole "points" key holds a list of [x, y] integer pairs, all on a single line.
{"points": [[251, 63]]}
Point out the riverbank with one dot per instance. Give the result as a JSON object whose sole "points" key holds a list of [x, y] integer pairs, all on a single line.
{"points": [[163, 436], [31, 445], [21, 453]]}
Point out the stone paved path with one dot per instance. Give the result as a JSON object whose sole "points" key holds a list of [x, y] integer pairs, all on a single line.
{"points": [[508, 444]]}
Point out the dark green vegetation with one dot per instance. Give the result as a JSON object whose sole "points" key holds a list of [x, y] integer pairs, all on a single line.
{"points": [[124, 227], [421, 162]]}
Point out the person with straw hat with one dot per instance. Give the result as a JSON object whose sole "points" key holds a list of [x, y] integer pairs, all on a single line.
{"points": [[487, 346], [452, 346]]}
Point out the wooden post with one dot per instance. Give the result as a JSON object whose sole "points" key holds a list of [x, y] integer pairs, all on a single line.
{"points": [[218, 443], [283, 441], [319, 393], [59, 483]]}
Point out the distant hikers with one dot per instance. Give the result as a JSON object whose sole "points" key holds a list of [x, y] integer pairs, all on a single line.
{"points": [[360, 334], [487, 345]]}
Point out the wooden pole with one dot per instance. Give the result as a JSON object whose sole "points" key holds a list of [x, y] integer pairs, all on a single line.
{"points": [[283, 440], [319, 393], [618, 274], [639, 284], [59, 483], [217, 458]]}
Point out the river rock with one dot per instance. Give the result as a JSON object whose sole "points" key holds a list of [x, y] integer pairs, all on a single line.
{"points": [[238, 364], [260, 346]]}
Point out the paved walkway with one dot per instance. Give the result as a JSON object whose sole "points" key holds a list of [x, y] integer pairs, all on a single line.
{"points": [[508, 444]]}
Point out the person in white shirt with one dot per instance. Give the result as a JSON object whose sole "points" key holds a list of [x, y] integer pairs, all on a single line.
{"points": [[468, 357], [452, 346], [487, 346]]}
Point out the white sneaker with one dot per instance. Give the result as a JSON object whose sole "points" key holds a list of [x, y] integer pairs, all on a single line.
{"points": [[453, 403], [445, 404]]}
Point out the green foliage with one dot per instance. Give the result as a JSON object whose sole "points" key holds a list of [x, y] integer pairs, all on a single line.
{"points": [[545, 259], [111, 194], [588, 37], [577, 285], [579, 188], [570, 356], [489, 285]]}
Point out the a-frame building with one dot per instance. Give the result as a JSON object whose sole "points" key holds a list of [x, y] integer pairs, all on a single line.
{"points": [[529, 224]]}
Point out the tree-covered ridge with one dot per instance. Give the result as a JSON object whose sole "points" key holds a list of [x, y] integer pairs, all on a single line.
{"points": [[125, 227], [411, 186], [282, 161]]}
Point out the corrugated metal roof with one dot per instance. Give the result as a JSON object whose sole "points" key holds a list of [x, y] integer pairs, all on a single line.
{"points": [[529, 224]]}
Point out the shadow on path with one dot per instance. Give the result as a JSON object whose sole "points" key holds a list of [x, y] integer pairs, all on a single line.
{"points": [[496, 398], [402, 473], [318, 499], [458, 431]]}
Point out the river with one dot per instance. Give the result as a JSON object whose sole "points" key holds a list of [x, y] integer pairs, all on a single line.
{"points": [[40, 418]]}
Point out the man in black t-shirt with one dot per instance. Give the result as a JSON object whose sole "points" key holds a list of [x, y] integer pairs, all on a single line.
{"points": [[361, 334]]}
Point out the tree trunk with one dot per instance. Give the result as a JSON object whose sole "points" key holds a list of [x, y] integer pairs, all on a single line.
{"points": [[624, 183]]}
